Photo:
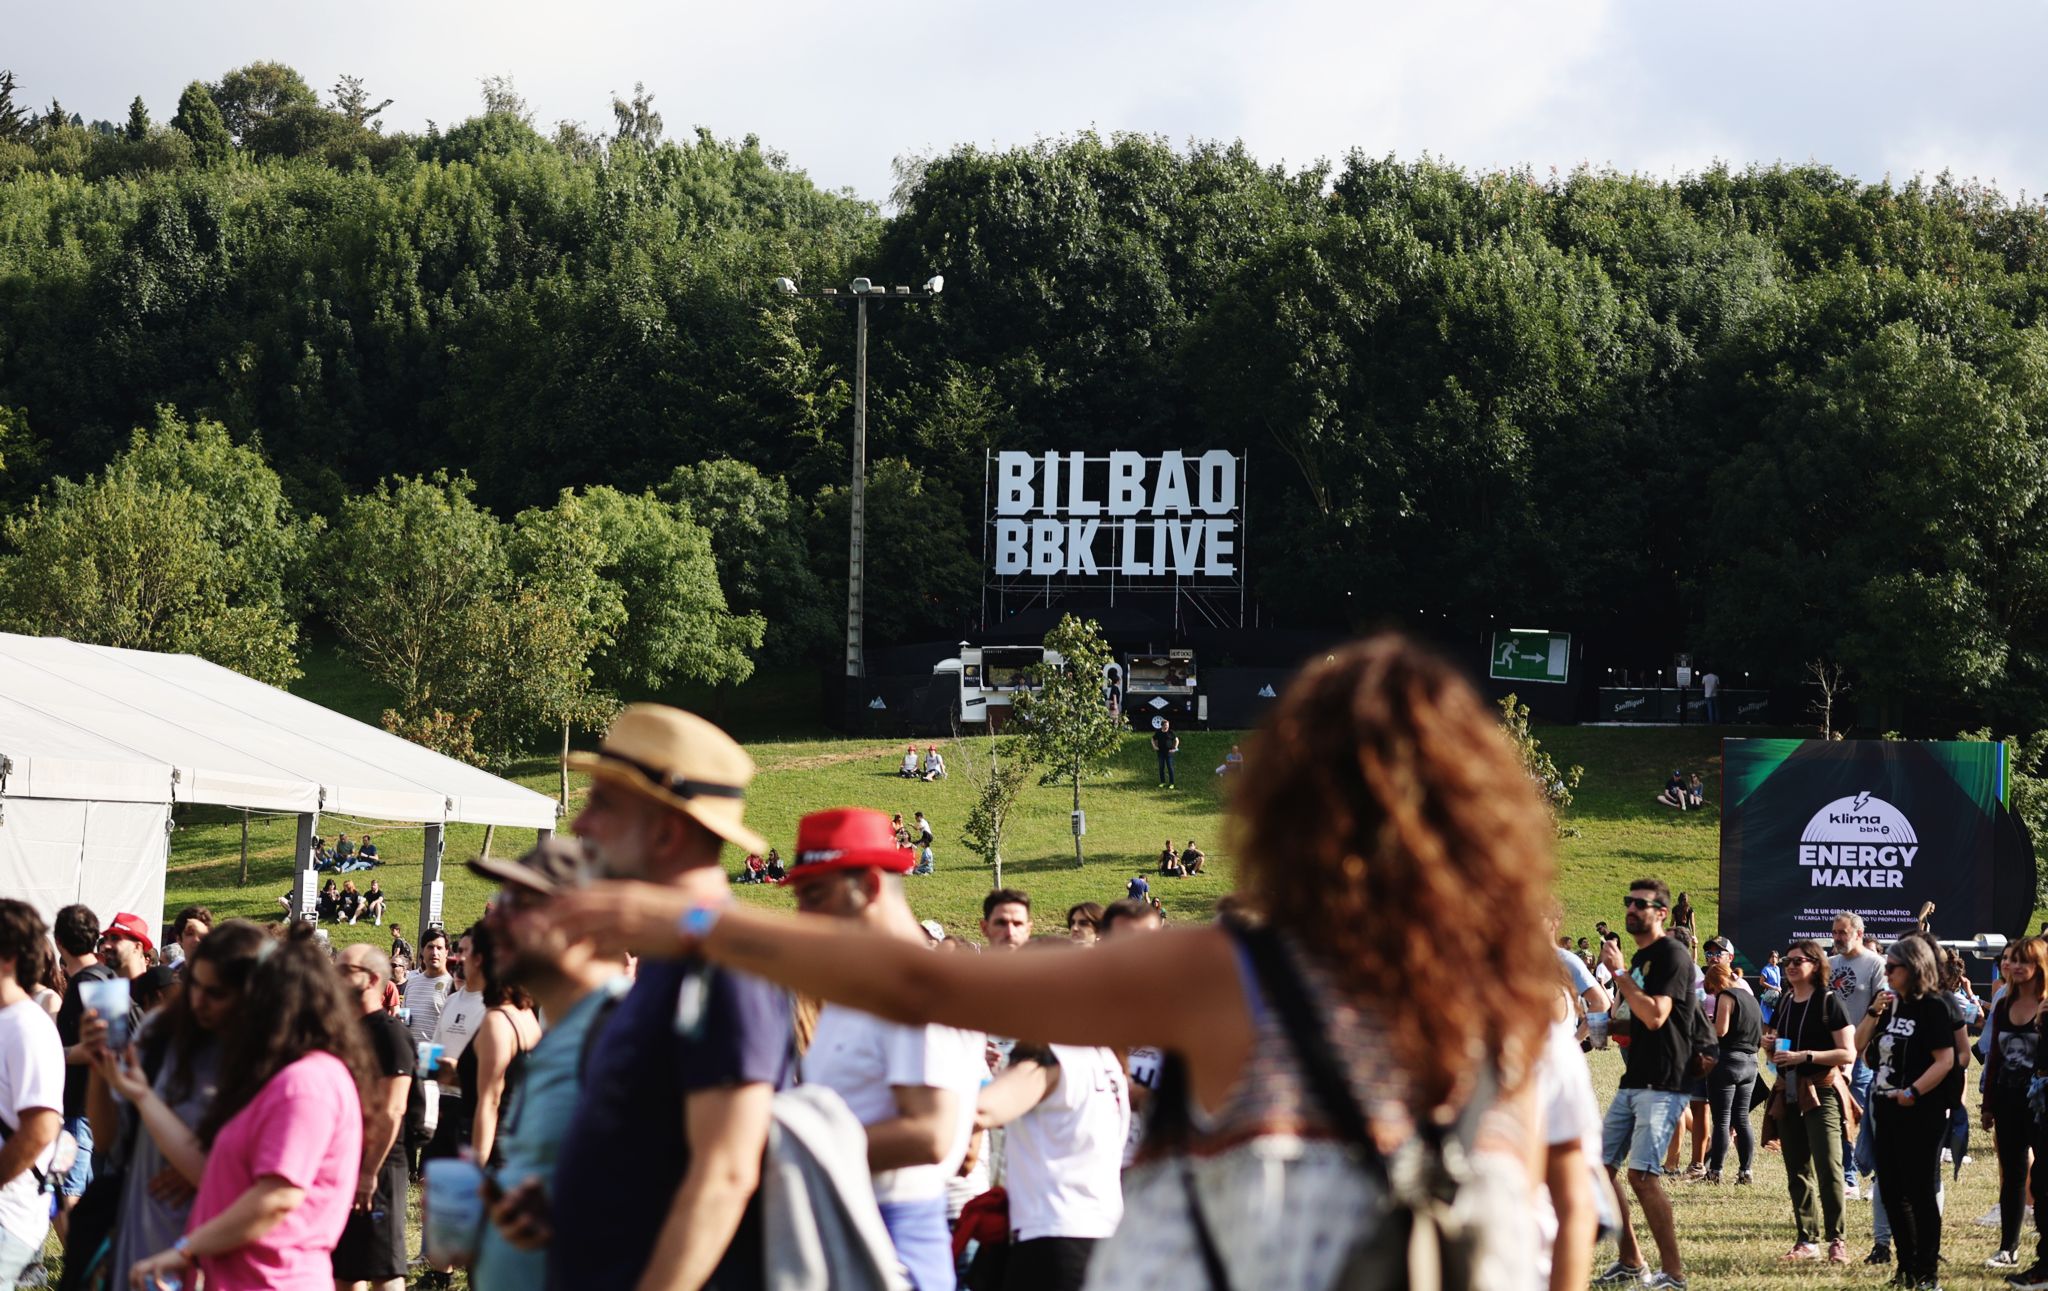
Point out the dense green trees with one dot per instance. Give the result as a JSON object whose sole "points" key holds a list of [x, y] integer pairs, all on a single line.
{"points": [[1769, 415]]}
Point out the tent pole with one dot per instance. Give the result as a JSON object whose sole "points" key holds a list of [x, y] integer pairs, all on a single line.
{"points": [[243, 880], [430, 879], [303, 877]]}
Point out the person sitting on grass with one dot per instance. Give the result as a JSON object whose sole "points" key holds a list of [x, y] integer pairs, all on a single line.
{"points": [[1695, 793], [907, 770], [774, 871], [1169, 862], [1192, 858], [902, 830], [934, 765], [373, 902], [368, 851], [349, 904], [1674, 792], [751, 871], [327, 907]]}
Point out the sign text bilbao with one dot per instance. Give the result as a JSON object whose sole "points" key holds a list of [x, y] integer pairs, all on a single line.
{"points": [[1069, 513]]}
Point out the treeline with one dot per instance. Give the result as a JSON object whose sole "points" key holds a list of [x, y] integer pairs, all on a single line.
{"points": [[1771, 416]]}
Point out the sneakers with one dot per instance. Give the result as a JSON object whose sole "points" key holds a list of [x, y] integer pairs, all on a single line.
{"points": [[1838, 1252], [1850, 1192], [1879, 1254], [2003, 1260], [1661, 1279], [1696, 1173], [2034, 1279], [1801, 1251], [1619, 1274]]}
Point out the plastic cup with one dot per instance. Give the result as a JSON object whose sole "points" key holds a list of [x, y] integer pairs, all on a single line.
{"points": [[429, 1060], [110, 999], [453, 1211]]}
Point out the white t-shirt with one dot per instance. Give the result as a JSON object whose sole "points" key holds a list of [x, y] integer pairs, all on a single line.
{"points": [[1710, 685], [864, 1059], [1564, 1098], [1066, 1155], [460, 1017], [423, 997], [31, 1078]]}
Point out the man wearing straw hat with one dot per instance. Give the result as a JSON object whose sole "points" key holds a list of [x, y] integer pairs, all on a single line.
{"points": [[655, 1184]]}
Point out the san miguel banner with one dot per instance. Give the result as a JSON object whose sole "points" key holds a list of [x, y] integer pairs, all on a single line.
{"points": [[1812, 828]]}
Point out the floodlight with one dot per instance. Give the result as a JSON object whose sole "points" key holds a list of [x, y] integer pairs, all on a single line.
{"points": [[785, 286], [936, 285], [862, 286]]}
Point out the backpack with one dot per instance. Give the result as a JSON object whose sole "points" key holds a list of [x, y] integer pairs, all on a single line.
{"points": [[1420, 1242]]}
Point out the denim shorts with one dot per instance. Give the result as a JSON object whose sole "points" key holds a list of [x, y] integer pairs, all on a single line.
{"points": [[74, 1183], [1639, 1126]]}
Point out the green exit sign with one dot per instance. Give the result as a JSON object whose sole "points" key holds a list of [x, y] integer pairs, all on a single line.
{"points": [[1531, 654]]}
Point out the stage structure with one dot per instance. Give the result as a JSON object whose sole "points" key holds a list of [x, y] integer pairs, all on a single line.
{"points": [[1112, 525]]}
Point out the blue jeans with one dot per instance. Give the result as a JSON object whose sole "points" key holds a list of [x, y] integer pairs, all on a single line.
{"points": [[1166, 768], [1639, 1126], [923, 1242], [1860, 1077]]}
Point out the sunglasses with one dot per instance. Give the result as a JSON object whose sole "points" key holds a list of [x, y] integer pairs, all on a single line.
{"points": [[1637, 903], [1800, 959]]}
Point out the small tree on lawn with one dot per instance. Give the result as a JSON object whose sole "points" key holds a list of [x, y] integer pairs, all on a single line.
{"points": [[995, 788], [1067, 727], [1556, 786]]}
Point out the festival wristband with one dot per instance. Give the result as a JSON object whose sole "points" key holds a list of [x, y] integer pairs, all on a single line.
{"points": [[698, 921], [1910, 1094], [183, 1246]]}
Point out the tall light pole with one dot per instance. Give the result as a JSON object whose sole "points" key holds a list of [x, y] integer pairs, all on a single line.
{"points": [[860, 291]]}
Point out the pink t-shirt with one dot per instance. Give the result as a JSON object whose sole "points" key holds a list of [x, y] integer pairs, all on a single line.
{"points": [[306, 1127]]}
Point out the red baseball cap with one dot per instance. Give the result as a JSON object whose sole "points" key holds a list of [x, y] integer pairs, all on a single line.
{"points": [[131, 925], [847, 838]]}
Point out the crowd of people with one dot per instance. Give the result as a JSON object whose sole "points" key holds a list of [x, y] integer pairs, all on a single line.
{"points": [[619, 1077]]}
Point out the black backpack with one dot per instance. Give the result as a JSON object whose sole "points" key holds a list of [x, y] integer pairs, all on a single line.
{"points": [[1419, 1243]]}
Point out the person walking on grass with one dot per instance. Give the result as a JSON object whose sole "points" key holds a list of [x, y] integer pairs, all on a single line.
{"points": [[2012, 1061], [1808, 1043], [1652, 1098], [1738, 1021], [1915, 1081]]}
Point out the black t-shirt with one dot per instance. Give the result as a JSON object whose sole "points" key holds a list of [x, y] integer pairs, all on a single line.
{"points": [[1656, 1059], [390, 1055], [1911, 1034], [1745, 1024], [71, 1016], [2013, 1047], [1810, 1025]]}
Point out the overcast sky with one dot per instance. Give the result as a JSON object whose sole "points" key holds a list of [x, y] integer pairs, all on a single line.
{"points": [[845, 87]]}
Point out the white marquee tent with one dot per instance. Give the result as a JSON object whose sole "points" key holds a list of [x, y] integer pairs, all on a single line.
{"points": [[97, 744]]}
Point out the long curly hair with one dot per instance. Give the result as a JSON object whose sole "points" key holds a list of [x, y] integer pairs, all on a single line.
{"points": [[1387, 826], [295, 1003]]}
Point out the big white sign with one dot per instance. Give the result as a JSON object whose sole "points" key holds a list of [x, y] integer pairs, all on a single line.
{"points": [[1070, 513]]}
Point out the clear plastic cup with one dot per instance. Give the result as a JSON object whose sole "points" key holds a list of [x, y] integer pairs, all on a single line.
{"points": [[453, 1211]]}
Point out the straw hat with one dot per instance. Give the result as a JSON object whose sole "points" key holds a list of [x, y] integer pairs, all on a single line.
{"points": [[679, 761]]}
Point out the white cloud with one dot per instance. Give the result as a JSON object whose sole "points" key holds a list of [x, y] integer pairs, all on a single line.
{"points": [[845, 88]]}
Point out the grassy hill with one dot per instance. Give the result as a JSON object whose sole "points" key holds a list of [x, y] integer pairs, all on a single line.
{"points": [[1622, 832]]}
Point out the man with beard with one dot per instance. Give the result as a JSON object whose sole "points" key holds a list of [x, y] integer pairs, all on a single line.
{"points": [[575, 990], [1657, 988], [656, 1182]]}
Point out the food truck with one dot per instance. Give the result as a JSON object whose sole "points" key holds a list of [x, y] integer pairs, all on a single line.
{"points": [[1163, 688], [991, 676]]}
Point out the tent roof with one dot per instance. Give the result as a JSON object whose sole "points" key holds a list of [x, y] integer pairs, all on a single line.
{"points": [[96, 723]]}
